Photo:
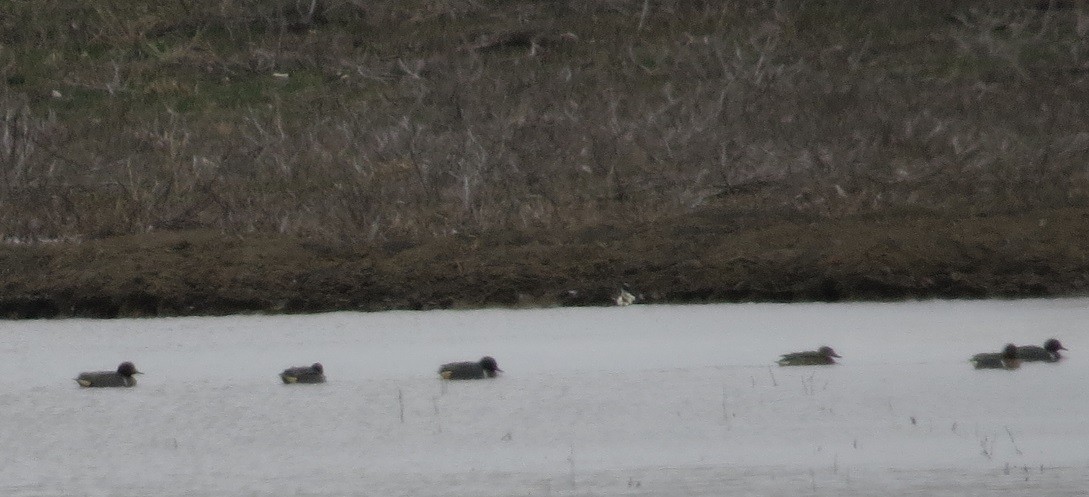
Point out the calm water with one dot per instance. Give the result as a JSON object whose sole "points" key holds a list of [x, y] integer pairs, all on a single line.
{"points": [[645, 400]]}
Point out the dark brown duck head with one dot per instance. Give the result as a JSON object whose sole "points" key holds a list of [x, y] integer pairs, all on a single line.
{"points": [[827, 351], [127, 369], [1054, 346], [490, 366]]}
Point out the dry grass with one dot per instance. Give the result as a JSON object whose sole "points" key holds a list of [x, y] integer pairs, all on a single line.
{"points": [[389, 120]]}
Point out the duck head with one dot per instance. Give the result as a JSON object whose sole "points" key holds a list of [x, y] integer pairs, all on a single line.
{"points": [[1009, 353], [490, 366], [318, 368], [127, 369], [827, 352], [1053, 346]]}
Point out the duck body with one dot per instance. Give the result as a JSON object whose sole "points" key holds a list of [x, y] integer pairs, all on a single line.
{"points": [[315, 373], [821, 357], [123, 377], [1007, 359], [486, 367], [1048, 353]]}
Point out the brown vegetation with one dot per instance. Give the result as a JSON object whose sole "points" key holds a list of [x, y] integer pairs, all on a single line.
{"points": [[549, 146]]}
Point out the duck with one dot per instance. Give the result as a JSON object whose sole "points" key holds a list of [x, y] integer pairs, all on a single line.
{"points": [[123, 377], [314, 373], [819, 357], [1007, 359], [1048, 353], [486, 367], [625, 297]]}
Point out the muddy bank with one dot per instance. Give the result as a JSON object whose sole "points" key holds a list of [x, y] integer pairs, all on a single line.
{"points": [[706, 257]]}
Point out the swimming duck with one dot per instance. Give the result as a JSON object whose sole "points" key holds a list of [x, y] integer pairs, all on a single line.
{"points": [[120, 378], [314, 373], [1048, 353], [485, 368], [821, 356], [1007, 359]]}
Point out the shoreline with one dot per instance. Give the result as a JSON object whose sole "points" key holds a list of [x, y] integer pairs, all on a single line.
{"points": [[697, 259]]}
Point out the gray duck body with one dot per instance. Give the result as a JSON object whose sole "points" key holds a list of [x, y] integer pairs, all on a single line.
{"points": [[1048, 353], [314, 373], [123, 377], [821, 357], [1007, 359], [486, 367]]}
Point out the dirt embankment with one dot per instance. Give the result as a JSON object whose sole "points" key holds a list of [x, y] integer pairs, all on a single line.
{"points": [[701, 258]]}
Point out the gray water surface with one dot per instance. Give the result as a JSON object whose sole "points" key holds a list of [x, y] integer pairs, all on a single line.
{"points": [[645, 400]]}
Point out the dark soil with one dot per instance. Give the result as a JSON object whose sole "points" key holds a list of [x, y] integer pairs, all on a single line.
{"points": [[705, 257]]}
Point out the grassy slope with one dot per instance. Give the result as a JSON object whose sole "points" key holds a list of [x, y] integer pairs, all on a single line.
{"points": [[232, 156]]}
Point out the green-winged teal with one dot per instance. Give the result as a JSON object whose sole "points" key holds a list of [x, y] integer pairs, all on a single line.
{"points": [[314, 373], [819, 357], [1048, 353], [1007, 359], [120, 378], [485, 368]]}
